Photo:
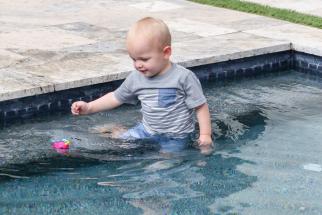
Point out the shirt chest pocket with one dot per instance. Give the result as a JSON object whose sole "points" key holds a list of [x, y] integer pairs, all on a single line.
{"points": [[167, 97]]}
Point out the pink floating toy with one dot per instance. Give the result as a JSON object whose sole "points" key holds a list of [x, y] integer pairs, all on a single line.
{"points": [[63, 144]]}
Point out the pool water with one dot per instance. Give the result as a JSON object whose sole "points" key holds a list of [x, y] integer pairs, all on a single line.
{"points": [[267, 159]]}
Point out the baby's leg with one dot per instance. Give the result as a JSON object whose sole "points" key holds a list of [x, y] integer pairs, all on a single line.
{"points": [[137, 132], [111, 130], [172, 145]]}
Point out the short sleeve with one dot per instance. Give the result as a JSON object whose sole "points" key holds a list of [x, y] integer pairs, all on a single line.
{"points": [[193, 91], [125, 92]]}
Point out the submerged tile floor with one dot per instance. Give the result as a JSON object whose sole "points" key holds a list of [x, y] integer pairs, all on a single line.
{"points": [[268, 158]]}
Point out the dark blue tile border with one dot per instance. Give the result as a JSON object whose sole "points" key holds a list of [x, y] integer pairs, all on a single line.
{"points": [[28, 107], [45, 104], [306, 63], [245, 67]]}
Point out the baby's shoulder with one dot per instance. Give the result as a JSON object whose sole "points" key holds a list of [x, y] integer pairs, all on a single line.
{"points": [[182, 71], [133, 76]]}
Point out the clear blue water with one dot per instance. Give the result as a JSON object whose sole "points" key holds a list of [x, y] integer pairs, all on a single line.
{"points": [[267, 160]]}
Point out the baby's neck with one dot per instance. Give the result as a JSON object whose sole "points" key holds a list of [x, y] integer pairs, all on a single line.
{"points": [[165, 69]]}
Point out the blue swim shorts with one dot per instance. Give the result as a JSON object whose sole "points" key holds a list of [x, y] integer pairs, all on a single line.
{"points": [[168, 144]]}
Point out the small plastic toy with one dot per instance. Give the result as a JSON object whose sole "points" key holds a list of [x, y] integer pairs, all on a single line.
{"points": [[63, 144]]}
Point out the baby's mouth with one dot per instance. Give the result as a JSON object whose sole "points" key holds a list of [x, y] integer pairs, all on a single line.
{"points": [[143, 71]]}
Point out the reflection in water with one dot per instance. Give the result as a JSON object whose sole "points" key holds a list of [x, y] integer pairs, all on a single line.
{"points": [[139, 176], [184, 183], [107, 176], [238, 130]]}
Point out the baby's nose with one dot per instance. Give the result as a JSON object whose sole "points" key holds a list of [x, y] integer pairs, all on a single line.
{"points": [[139, 65]]}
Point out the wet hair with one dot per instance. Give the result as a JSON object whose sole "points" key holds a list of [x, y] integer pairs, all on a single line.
{"points": [[153, 29]]}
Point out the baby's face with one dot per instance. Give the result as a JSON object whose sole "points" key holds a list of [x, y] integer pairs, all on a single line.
{"points": [[147, 57]]}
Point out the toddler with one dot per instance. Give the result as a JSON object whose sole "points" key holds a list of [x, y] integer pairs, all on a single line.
{"points": [[169, 93]]}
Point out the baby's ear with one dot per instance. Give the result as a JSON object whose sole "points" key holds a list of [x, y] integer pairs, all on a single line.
{"points": [[167, 51]]}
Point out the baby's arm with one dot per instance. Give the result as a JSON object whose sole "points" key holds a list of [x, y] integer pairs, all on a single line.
{"points": [[105, 102], [203, 116]]}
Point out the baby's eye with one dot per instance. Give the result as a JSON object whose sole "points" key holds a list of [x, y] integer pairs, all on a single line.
{"points": [[140, 59]]}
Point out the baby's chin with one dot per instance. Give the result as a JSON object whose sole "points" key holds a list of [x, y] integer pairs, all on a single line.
{"points": [[148, 74]]}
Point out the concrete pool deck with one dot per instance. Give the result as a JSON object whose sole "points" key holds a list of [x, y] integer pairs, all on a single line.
{"points": [[48, 46]]}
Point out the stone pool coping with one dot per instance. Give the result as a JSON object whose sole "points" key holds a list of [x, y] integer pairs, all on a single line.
{"points": [[44, 88], [86, 46]]}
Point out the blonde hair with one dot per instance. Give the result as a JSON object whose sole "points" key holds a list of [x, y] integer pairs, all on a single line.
{"points": [[154, 29]]}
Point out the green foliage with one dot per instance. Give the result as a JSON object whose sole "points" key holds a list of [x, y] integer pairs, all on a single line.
{"points": [[283, 14]]}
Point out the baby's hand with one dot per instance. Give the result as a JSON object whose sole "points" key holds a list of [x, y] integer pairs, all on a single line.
{"points": [[80, 108], [206, 145]]}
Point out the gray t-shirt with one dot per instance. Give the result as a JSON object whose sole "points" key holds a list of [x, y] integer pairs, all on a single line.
{"points": [[167, 100]]}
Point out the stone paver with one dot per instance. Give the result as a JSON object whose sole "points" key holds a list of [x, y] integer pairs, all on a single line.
{"points": [[312, 7], [303, 38], [47, 45]]}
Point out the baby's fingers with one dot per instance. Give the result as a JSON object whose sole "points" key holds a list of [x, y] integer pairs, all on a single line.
{"points": [[75, 108], [206, 149]]}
